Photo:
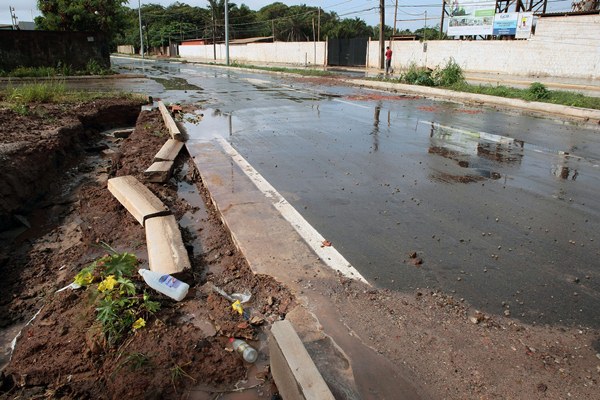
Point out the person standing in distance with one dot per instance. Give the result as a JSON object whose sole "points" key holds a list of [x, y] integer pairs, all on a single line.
{"points": [[388, 60]]}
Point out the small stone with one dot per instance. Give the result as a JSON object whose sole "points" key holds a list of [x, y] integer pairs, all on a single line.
{"points": [[507, 313], [542, 387]]}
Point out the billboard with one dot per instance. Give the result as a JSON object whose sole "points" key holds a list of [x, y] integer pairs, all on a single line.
{"points": [[506, 23], [471, 17], [524, 25]]}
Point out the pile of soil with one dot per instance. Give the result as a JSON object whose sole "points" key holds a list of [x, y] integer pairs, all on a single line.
{"points": [[62, 353]]}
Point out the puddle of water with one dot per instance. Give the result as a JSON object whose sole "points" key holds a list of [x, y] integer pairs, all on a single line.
{"points": [[174, 83]]}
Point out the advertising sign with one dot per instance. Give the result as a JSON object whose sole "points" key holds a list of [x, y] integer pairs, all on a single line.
{"points": [[506, 24], [524, 25], [471, 17]]}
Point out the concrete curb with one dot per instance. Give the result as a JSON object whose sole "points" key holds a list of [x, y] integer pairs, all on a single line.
{"points": [[585, 114], [294, 372]]}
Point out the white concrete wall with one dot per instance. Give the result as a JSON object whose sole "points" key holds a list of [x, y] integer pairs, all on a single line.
{"points": [[562, 46], [125, 49], [297, 53]]}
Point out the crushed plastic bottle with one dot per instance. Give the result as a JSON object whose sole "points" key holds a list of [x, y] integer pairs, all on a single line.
{"points": [[165, 284], [248, 353]]}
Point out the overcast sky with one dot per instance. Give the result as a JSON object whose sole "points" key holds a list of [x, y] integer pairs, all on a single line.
{"points": [[411, 13]]}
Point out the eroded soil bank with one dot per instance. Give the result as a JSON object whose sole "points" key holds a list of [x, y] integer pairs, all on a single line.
{"points": [[62, 353]]}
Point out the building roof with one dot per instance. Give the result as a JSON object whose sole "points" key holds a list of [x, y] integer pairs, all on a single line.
{"points": [[252, 40]]}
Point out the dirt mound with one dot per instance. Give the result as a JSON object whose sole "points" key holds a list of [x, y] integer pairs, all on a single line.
{"points": [[184, 347]]}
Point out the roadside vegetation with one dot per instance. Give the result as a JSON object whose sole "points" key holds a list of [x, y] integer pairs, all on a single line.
{"points": [[91, 68], [451, 77], [19, 98], [121, 306]]}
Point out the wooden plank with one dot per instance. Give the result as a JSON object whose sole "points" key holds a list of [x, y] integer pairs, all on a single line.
{"points": [[159, 172], [166, 252], [294, 372], [169, 121], [136, 198], [169, 151]]}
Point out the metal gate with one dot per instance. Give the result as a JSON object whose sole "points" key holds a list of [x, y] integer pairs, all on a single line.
{"points": [[347, 52]]}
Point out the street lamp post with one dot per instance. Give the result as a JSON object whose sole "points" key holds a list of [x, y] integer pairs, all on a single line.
{"points": [[141, 34]]}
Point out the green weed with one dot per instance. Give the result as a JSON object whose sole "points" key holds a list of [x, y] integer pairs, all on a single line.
{"points": [[36, 92], [450, 74], [120, 308], [177, 373]]}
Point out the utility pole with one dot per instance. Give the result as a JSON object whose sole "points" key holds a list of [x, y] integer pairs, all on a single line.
{"points": [[273, 28], [226, 33], [381, 32], [319, 26], [314, 44], [395, 18], [141, 34], [13, 18], [214, 34], [442, 18]]}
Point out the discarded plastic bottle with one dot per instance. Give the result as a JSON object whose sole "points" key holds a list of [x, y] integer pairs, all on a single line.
{"points": [[248, 353], [166, 284]]}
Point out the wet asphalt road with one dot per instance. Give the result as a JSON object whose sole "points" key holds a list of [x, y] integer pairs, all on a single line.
{"points": [[502, 208]]}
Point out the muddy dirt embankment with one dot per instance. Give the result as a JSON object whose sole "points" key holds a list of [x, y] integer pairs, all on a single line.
{"points": [[37, 149]]}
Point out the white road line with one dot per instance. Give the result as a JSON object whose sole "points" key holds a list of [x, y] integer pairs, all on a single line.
{"points": [[352, 104], [311, 236]]}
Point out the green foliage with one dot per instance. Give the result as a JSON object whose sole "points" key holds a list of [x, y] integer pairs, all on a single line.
{"points": [[106, 16], [449, 75], [35, 92], [120, 308], [417, 76], [18, 97], [21, 109], [37, 72], [538, 91], [94, 68], [552, 96]]}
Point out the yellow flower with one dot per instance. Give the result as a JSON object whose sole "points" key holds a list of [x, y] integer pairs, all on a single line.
{"points": [[84, 278], [140, 323], [107, 284]]}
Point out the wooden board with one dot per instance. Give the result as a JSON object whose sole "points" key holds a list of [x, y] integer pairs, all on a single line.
{"points": [[169, 151], [136, 198], [159, 172], [166, 252], [294, 372], [169, 121]]}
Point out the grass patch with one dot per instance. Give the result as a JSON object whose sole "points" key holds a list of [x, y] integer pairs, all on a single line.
{"points": [[54, 91], [535, 92], [91, 68], [451, 77]]}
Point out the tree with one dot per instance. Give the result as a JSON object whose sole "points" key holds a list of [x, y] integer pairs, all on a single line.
{"points": [[106, 16], [350, 28]]}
